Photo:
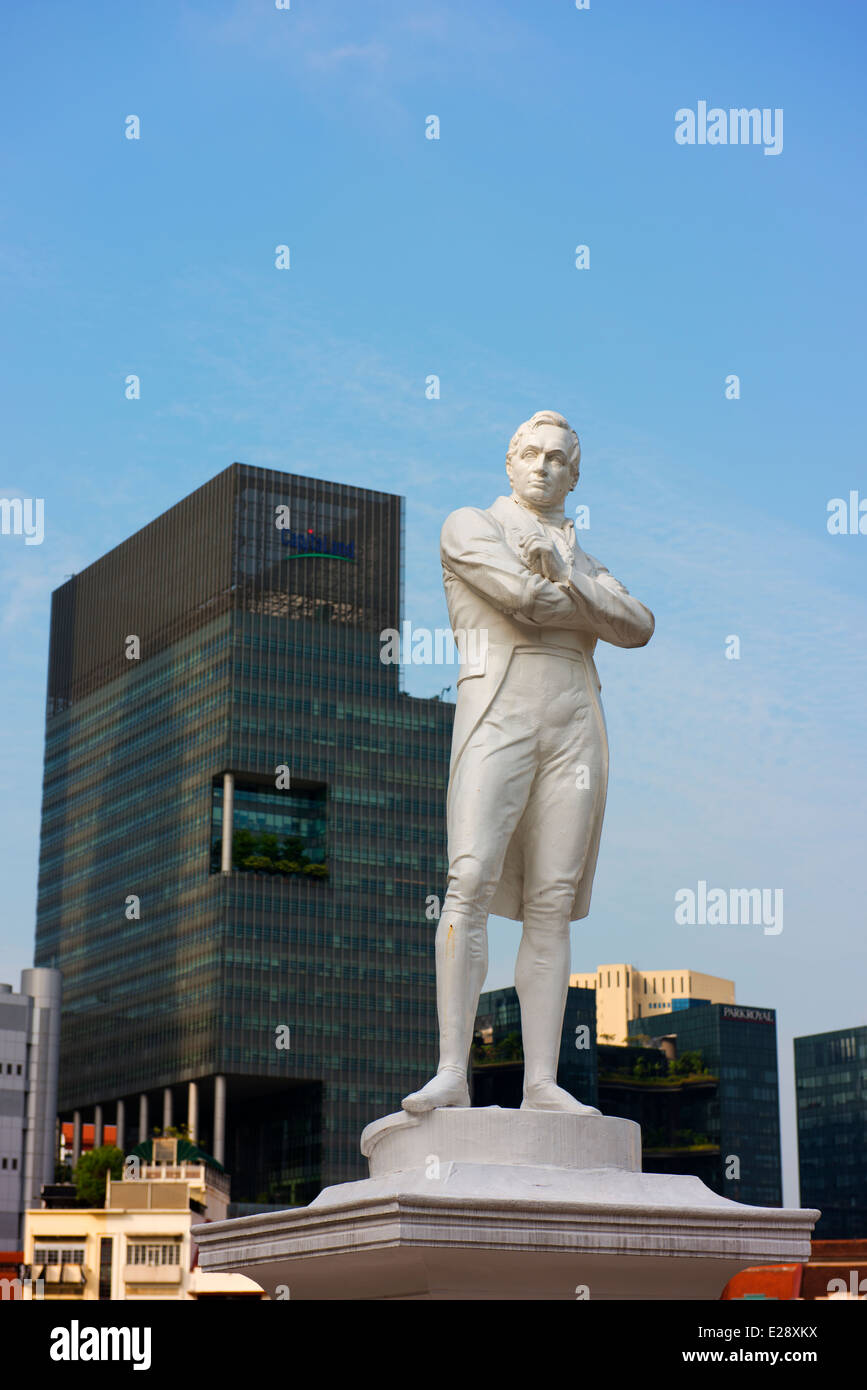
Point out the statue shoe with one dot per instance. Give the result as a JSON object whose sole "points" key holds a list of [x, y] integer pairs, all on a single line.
{"points": [[547, 1095], [448, 1088]]}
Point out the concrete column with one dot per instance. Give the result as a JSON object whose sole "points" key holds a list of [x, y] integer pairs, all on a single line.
{"points": [[167, 1108], [142, 1118], [228, 820], [98, 1126], [120, 1124], [220, 1119], [193, 1110], [76, 1137]]}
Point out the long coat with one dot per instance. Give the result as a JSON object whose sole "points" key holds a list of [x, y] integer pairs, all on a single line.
{"points": [[497, 605]]}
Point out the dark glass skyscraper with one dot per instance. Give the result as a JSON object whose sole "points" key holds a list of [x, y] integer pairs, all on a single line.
{"points": [[740, 1116], [242, 818], [831, 1095]]}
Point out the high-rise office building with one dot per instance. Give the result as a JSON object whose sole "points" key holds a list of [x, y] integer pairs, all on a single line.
{"points": [[624, 993], [741, 1118], [243, 816], [29, 1052], [831, 1097]]}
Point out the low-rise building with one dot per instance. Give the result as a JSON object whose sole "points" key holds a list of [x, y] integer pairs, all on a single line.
{"points": [[139, 1245]]}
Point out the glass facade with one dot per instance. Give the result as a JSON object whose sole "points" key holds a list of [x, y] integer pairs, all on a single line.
{"points": [[678, 1111], [206, 645], [497, 1070], [831, 1097], [741, 1115]]}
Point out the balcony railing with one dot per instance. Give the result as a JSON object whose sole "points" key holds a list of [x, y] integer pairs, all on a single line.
{"points": [[152, 1274], [200, 1173]]}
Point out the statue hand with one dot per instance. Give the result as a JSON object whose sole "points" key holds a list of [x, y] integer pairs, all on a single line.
{"points": [[542, 557]]}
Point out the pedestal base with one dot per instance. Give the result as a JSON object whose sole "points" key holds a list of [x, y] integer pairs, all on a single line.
{"points": [[506, 1204]]}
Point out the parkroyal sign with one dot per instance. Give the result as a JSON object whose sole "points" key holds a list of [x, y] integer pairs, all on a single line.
{"points": [[748, 1015]]}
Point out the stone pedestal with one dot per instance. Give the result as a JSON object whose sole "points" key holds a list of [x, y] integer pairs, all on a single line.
{"points": [[506, 1204]]}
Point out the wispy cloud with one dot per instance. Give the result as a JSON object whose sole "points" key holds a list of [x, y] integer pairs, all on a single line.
{"points": [[373, 55]]}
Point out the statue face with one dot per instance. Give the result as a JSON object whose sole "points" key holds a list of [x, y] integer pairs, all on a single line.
{"points": [[540, 472]]}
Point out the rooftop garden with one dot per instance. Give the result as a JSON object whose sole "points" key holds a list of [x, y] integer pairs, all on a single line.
{"points": [[658, 1070], [508, 1049], [261, 852]]}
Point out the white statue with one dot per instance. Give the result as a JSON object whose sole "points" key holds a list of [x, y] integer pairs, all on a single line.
{"points": [[529, 767]]}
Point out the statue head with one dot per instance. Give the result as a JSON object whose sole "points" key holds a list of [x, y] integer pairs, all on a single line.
{"points": [[543, 459]]}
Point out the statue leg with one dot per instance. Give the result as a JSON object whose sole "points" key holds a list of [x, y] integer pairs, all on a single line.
{"points": [[562, 819], [542, 979], [487, 796], [462, 964]]}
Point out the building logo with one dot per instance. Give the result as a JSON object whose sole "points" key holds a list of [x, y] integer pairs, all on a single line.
{"points": [[307, 544], [748, 1015]]}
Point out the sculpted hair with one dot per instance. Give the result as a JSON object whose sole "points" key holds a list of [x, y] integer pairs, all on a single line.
{"points": [[547, 417]]}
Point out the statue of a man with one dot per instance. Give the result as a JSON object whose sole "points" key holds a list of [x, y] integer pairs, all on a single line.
{"points": [[529, 768]]}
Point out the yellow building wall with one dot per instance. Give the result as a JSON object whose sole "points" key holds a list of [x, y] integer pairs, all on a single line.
{"points": [[624, 993], [86, 1225]]}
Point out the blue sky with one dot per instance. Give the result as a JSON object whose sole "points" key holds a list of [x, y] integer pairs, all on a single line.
{"points": [[409, 256]]}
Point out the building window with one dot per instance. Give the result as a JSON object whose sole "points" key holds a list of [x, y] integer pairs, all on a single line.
{"points": [[106, 1246], [58, 1255], [3, 1163], [14, 1164], [140, 1254], [645, 986], [274, 831]]}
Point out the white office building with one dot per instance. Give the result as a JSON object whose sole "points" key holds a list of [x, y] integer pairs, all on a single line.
{"points": [[29, 1056]]}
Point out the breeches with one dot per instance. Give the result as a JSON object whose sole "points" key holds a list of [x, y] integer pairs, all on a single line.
{"points": [[531, 781]]}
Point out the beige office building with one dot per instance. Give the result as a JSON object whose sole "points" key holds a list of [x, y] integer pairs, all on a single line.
{"points": [[624, 993]]}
